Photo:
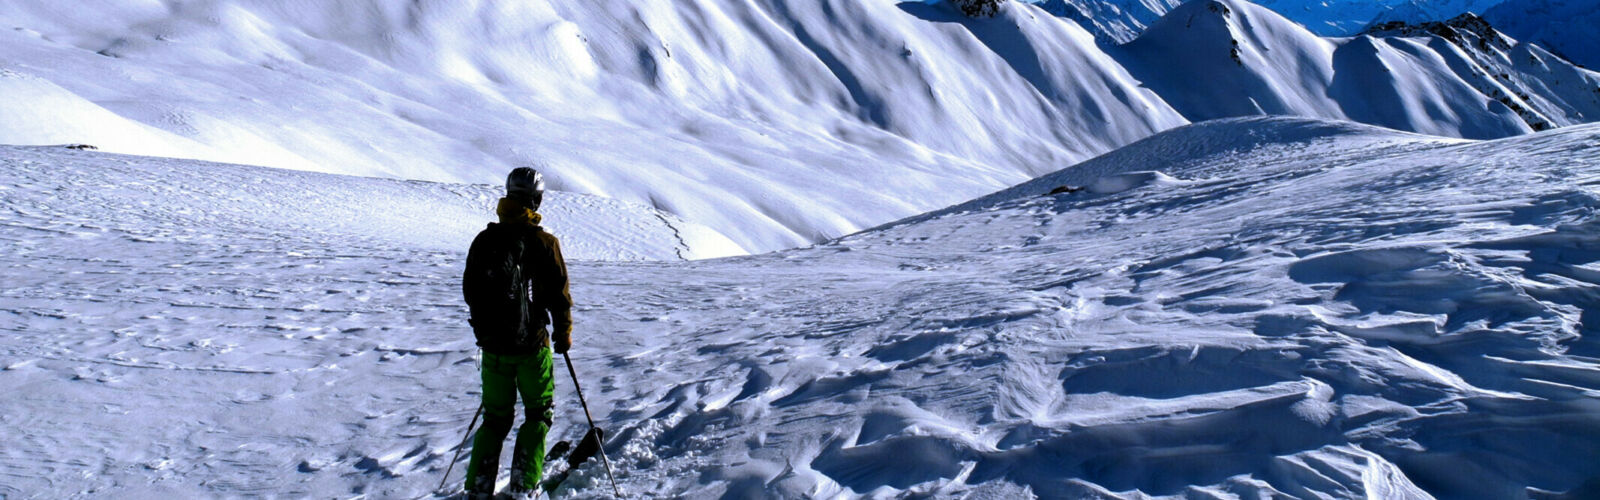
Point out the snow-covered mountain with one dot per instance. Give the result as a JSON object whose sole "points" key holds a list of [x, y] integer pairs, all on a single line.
{"points": [[1544, 89], [1426, 11], [1566, 27], [1111, 21], [1214, 59], [1120, 21], [1349, 17], [1259, 307], [775, 123]]}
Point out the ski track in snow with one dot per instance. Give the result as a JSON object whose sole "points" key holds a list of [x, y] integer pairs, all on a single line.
{"points": [[1253, 306]]}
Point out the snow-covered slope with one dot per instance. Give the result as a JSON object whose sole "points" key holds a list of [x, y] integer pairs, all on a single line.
{"points": [[777, 123], [1252, 307], [1545, 90], [1222, 58], [1214, 59], [115, 199], [773, 122], [1566, 27], [1111, 21]]}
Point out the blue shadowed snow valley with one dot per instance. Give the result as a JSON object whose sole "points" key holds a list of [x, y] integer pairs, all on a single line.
{"points": [[1241, 307]]}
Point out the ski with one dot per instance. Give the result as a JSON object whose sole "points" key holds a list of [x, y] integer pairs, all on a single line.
{"points": [[558, 450], [587, 448]]}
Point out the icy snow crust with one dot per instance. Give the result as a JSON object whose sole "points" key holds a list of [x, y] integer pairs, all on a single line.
{"points": [[1244, 307], [776, 123]]}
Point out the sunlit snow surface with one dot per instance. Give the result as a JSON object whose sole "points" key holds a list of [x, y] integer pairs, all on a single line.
{"points": [[1237, 308]]}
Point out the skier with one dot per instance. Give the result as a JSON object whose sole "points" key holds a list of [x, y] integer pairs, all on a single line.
{"points": [[515, 285]]}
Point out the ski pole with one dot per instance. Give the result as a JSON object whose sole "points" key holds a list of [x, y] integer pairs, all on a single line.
{"points": [[458, 448], [574, 372]]}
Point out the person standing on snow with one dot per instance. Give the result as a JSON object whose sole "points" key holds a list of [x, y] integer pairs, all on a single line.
{"points": [[516, 284]]}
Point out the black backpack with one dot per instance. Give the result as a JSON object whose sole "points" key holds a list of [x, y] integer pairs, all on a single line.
{"points": [[498, 290]]}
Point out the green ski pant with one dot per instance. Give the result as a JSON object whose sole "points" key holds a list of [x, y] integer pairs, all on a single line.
{"points": [[504, 377]]}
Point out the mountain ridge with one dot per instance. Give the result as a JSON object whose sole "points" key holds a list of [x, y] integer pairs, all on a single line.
{"points": [[1564, 27]]}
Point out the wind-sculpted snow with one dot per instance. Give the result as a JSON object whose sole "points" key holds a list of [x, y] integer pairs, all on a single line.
{"points": [[1248, 308]]}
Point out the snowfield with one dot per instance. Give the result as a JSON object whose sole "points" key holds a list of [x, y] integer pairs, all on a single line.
{"points": [[1240, 308]]}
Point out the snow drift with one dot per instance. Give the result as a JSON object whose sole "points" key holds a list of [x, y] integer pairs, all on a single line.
{"points": [[1250, 307]]}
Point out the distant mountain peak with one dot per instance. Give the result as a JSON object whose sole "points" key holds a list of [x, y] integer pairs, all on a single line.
{"points": [[1111, 21], [1563, 27], [1464, 28], [1503, 63], [1399, 76], [1218, 7]]}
